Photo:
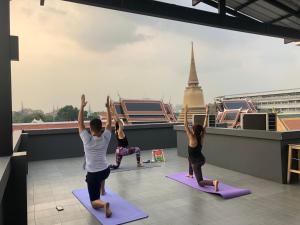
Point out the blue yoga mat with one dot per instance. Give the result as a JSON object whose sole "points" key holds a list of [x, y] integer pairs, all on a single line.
{"points": [[122, 211]]}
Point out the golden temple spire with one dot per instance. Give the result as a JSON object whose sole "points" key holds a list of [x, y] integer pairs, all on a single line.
{"points": [[193, 94], [193, 79]]}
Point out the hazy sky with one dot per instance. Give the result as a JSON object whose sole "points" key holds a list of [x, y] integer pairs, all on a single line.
{"points": [[68, 49]]}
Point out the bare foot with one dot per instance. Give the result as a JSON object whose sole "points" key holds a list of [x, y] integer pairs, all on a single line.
{"points": [[107, 210], [140, 165], [189, 176], [216, 185]]}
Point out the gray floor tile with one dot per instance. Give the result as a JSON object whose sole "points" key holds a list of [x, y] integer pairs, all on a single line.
{"points": [[45, 213], [52, 220], [43, 206]]}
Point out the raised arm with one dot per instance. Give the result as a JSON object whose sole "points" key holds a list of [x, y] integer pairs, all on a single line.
{"points": [[186, 124], [121, 127], [108, 120], [205, 121], [81, 126], [206, 118]]}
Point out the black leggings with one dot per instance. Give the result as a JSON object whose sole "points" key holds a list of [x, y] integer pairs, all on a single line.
{"points": [[94, 181], [196, 168]]}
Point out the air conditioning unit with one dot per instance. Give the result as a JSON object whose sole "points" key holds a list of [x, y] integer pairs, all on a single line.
{"points": [[272, 118], [212, 120], [259, 121], [198, 119]]}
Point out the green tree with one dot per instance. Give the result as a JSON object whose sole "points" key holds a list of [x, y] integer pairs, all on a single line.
{"points": [[37, 115], [68, 113], [92, 116], [28, 116], [17, 117], [49, 118]]}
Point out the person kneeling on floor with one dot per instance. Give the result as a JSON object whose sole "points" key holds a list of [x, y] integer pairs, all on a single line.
{"points": [[95, 149], [123, 148]]}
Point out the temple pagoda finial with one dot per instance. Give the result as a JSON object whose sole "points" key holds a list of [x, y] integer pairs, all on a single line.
{"points": [[193, 79]]}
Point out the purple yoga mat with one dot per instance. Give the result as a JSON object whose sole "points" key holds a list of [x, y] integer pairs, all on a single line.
{"points": [[225, 190], [123, 211]]}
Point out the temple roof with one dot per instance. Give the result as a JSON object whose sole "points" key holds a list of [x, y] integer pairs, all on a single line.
{"points": [[193, 79]]}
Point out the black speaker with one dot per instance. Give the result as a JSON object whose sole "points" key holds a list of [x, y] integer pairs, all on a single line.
{"points": [[211, 120], [198, 119]]}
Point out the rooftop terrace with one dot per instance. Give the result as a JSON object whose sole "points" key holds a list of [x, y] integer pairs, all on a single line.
{"points": [[252, 159], [167, 202], [260, 153]]}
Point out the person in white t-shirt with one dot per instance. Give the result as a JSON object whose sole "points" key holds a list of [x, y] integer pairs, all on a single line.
{"points": [[95, 148]]}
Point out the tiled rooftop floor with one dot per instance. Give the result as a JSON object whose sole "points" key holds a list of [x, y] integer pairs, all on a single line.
{"points": [[167, 202]]}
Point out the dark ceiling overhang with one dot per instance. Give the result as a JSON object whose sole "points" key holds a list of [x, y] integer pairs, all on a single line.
{"points": [[196, 16]]}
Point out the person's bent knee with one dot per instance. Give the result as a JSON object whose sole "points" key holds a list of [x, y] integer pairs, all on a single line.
{"points": [[201, 183]]}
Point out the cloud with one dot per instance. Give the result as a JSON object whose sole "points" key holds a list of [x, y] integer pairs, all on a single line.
{"points": [[101, 30], [93, 29], [105, 31], [80, 49]]}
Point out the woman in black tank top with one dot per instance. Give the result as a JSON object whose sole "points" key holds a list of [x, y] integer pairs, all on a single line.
{"points": [[121, 142], [195, 156], [123, 149]]}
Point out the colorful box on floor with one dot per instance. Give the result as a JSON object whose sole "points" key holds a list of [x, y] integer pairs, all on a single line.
{"points": [[158, 155]]}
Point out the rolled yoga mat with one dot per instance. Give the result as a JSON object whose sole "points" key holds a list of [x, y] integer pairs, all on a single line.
{"points": [[122, 211], [225, 190]]}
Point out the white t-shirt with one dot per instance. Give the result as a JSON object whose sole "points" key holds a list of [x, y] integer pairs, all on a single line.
{"points": [[95, 149]]}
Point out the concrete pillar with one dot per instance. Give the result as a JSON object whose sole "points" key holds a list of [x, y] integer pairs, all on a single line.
{"points": [[6, 146]]}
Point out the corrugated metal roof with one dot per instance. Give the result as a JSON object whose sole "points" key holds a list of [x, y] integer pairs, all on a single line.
{"points": [[280, 12], [274, 18]]}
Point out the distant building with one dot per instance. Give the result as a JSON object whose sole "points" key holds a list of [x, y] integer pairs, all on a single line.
{"points": [[143, 111], [177, 108], [229, 111], [48, 126], [279, 101], [193, 94], [288, 122]]}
